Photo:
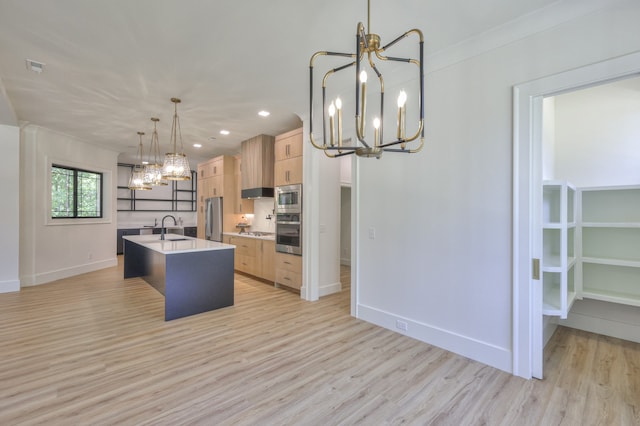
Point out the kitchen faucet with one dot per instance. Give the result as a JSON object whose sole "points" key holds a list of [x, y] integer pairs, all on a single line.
{"points": [[162, 230]]}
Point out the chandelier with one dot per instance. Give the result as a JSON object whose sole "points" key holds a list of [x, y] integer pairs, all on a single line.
{"points": [[136, 182], [176, 165], [368, 44], [153, 170]]}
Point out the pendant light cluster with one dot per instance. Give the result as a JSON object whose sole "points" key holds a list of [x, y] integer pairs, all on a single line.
{"points": [[176, 164]]}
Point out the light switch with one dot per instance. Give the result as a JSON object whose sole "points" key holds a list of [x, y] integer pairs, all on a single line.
{"points": [[372, 233], [323, 228]]}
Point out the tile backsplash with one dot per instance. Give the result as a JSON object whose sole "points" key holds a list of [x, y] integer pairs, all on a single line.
{"points": [[263, 208]]}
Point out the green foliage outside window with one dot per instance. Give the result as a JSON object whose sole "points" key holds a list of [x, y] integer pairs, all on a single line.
{"points": [[75, 193]]}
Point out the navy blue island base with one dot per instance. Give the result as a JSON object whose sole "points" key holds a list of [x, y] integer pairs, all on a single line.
{"points": [[192, 281]]}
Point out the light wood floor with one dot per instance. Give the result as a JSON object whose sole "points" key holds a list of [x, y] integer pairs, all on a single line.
{"points": [[94, 350]]}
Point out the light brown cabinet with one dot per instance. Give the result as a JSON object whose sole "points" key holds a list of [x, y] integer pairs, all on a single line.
{"points": [[216, 179], [257, 162], [288, 145], [245, 256], [289, 270], [268, 255], [288, 158], [243, 205], [254, 256], [288, 172]]}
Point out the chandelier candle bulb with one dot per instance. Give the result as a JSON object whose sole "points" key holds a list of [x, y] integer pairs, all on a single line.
{"points": [[363, 102], [339, 108], [376, 131], [332, 112], [402, 111]]}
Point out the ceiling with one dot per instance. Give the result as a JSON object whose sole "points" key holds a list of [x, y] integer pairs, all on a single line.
{"points": [[111, 65]]}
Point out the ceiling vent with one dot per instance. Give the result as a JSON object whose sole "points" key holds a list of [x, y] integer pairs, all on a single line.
{"points": [[35, 66]]}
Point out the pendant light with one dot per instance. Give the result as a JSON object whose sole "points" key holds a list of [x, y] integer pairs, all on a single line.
{"points": [[369, 56], [153, 170], [176, 165], [136, 182]]}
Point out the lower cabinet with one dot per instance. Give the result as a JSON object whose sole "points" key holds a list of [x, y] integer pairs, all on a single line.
{"points": [[289, 270], [254, 256], [190, 231], [120, 243], [268, 254]]}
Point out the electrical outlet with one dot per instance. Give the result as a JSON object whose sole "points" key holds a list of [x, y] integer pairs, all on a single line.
{"points": [[90, 256], [372, 233], [402, 325]]}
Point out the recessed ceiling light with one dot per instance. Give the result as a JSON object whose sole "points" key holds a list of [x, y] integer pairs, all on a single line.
{"points": [[264, 113], [224, 132], [145, 162], [35, 66], [197, 145]]}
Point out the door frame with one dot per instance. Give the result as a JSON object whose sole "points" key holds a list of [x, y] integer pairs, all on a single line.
{"points": [[527, 347]]}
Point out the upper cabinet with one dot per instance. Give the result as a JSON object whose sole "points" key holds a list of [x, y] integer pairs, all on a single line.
{"points": [[257, 167], [288, 165]]}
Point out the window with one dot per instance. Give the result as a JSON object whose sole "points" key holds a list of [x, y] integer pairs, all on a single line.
{"points": [[75, 193]]}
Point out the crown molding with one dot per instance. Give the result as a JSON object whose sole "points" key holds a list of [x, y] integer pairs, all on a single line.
{"points": [[525, 26]]}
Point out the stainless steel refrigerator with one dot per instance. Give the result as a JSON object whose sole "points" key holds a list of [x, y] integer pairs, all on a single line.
{"points": [[213, 219]]}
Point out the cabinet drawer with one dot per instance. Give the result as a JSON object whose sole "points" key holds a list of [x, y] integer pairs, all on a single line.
{"points": [[244, 246], [246, 264], [289, 262], [289, 278]]}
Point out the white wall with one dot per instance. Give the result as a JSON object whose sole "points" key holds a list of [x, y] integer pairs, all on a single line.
{"points": [[9, 210], [597, 132], [48, 250], [441, 258]]}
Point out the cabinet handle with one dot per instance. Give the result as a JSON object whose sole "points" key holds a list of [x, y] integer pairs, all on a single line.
{"points": [[287, 278], [288, 263]]}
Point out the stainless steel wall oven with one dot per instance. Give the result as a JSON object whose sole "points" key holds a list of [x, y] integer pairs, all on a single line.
{"points": [[289, 219]]}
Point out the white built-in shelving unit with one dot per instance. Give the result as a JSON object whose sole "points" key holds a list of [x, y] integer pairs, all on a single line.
{"points": [[559, 247], [609, 250]]}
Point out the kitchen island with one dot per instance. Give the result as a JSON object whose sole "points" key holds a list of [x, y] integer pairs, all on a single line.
{"points": [[194, 275]]}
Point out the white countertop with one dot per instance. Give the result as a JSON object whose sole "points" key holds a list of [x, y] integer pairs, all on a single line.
{"points": [[270, 236], [174, 243]]}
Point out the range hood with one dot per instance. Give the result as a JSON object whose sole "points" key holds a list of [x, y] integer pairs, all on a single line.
{"points": [[257, 192], [257, 167]]}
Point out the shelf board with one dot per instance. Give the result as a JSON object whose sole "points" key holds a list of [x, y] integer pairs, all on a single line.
{"points": [[613, 297], [558, 225], [555, 264], [611, 224], [612, 262]]}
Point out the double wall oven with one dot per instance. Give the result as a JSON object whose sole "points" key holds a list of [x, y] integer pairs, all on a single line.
{"points": [[289, 219]]}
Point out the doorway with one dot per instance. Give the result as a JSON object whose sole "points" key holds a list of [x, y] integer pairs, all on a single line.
{"points": [[527, 196]]}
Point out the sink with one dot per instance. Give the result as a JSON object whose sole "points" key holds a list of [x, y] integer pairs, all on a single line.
{"points": [[176, 239]]}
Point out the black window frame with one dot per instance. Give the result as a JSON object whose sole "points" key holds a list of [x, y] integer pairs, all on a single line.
{"points": [[75, 171]]}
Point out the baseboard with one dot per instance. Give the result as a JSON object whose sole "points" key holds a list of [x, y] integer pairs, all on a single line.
{"points": [[9, 286], [330, 289], [46, 277], [618, 329], [476, 350]]}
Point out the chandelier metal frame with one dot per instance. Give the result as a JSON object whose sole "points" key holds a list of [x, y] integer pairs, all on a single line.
{"points": [[369, 44]]}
